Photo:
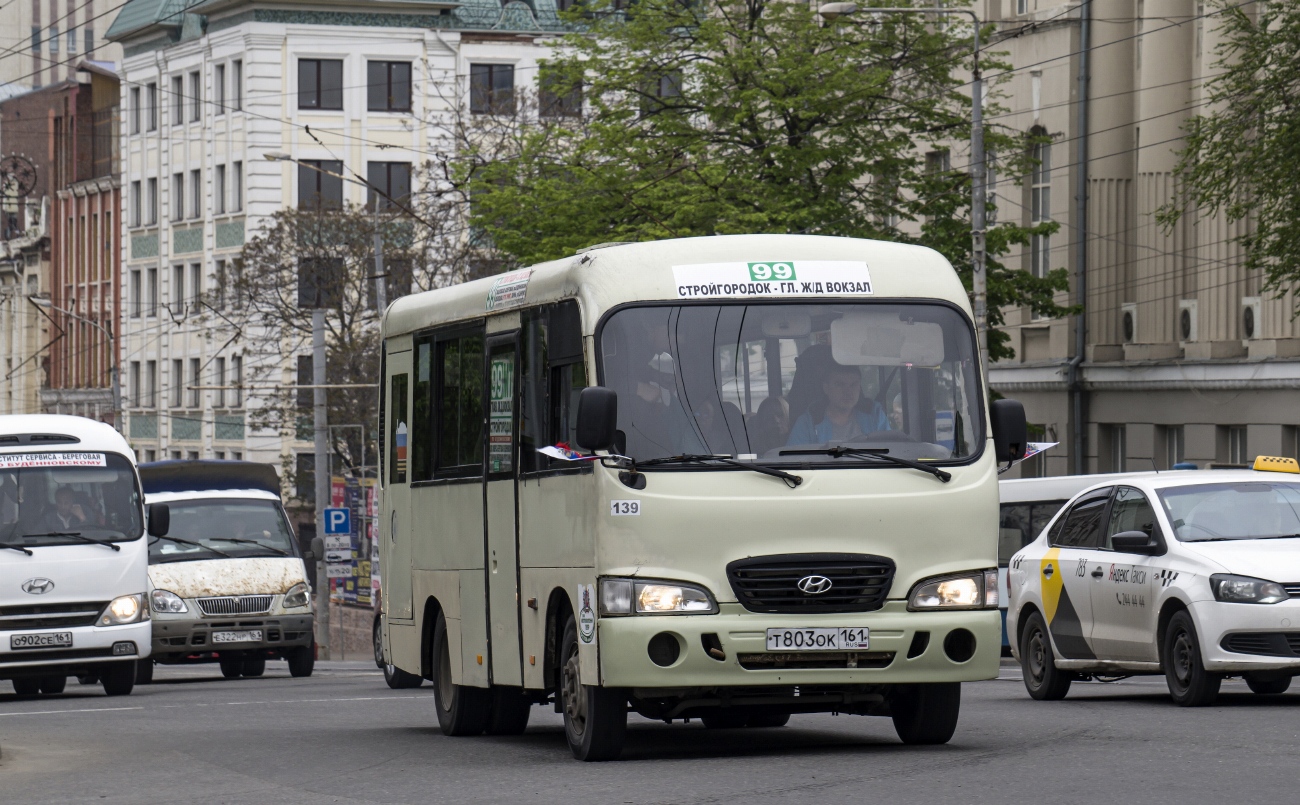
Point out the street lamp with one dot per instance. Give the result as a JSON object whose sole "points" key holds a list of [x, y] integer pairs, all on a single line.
{"points": [[979, 279], [44, 302]]}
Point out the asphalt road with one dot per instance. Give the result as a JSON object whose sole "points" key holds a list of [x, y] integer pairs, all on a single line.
{"points": [[343, 737]]}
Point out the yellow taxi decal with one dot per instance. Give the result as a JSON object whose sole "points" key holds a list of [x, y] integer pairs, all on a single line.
{"points": [[1051, 582], [1277, 464]]}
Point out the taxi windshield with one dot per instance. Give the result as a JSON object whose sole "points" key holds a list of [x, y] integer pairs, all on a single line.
{"points": [[1230, 511], [220, 528], [783, 382], [67, 499]]}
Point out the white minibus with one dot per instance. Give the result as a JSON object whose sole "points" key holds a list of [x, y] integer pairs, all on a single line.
{"points": [[73, 563], [726, 478]]}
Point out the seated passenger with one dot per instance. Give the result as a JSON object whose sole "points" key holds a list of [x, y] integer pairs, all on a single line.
{"points": [[770, 426], [839, 419]]}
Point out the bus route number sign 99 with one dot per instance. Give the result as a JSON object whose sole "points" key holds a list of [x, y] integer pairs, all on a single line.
{"points": [[841, 638]]}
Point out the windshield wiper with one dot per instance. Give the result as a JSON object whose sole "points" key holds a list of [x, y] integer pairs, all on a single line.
{"points": [[195, 544], [790, 479], [240, 540], [15, 548], [871, 452], [77, 535]]}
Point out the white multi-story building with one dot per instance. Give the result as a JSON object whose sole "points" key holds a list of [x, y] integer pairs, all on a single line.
{"points": [[207, 94]]}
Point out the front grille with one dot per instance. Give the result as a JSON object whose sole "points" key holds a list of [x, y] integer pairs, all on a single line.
{"points": [[1292, 589], [50, 616], [816, 659], [236, 604], [17, 657], [858, 582], [1267, 644]]}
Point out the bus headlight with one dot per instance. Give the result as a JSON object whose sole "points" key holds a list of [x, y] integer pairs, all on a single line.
{"points": [[124, 609], [296, 597], [977, 590], [641, 597], [167, 601]]}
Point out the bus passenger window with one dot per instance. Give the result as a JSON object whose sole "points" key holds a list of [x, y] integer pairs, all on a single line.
{"points": [[460, 403], [552, 375], [399, 427], [420, 441]]}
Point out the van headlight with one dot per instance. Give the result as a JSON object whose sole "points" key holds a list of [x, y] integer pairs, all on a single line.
{"points": [[1246, 590], [646, 597], [296, 597], [977, 590], [167, 601], [124, 609]]}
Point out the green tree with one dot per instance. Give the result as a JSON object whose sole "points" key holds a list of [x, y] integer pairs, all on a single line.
{"points": [[1242, 157], [734, 116]]}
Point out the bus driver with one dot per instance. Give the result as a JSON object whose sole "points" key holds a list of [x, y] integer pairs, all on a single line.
{"points": [[839, 420]]}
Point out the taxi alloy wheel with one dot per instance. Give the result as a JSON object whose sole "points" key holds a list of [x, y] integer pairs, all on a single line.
{"points": [[595, 718], [1043, 679], [1190, 685]]}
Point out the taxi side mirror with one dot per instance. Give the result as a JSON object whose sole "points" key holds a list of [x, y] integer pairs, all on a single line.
{"points": [[597, 418], [1010, 431], [1135, 542], [160, 519]]}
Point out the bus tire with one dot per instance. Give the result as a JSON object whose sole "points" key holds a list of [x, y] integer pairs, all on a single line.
{"points": [[53, 684], [926, 714], [595, 718], [462, 710], [510, 711], [1043, 679], [118, 678], [397, 679], [1190, 685], [231, 668], [254, 666], [144, 672]]}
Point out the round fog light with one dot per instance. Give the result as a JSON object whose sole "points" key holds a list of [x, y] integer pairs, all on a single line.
{"points": [[959, 645], [664, 649]]}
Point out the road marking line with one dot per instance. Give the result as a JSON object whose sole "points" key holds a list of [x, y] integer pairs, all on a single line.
{"points": [[85, 710]]}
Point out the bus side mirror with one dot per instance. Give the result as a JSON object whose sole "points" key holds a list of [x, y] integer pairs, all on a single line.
{"points": [[597, 418], [160, 519], [1010, 432]]}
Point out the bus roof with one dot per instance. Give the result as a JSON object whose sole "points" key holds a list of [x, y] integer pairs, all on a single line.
{"points": [[606, 276], [27, 433]]}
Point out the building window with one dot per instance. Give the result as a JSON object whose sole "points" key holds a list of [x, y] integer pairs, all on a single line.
{"points": [[136, 203], [1237, 453], [178, 385], [54, 39], [153, 200], [219, 190], [151, 384], [320, 84], [658, 92], [390, 184], [388, 86], [36, 39], [196, 396], [1118, 452], [135, 110], [492, 89], [397, 282], [938, 162], [219, 380], [1022, 6], [1174, 444], [196, 194], [236, 187], [1040, 205], [72, 41], [219, 89], [237, 380], [219, 286], [151, 300], [320, 184], [134, 384], [178, 101], [90, 40], [136, 300], [150, 455], [151, 93], [556, 99], [196, 284], [237, 85], [178, 289], [178, 196], [196, 96]]}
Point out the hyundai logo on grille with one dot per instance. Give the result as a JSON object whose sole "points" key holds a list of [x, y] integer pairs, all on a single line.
{"points": [[38, 586], [814, 585]]}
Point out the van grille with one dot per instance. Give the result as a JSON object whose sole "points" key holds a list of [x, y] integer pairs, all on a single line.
{"points": [[1268, 644], [50, 616], [236, 604], [858, 582]]}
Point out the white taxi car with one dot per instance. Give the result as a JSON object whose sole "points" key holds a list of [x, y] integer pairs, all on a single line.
{"points": [[1195, 575]]}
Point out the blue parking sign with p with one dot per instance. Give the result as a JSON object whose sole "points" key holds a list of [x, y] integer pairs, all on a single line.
{"points": [[338, 521]]}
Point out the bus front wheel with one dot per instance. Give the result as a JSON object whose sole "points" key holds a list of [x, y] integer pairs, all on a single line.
{"points": [[595, 718], [926, 714], [462, 710]]}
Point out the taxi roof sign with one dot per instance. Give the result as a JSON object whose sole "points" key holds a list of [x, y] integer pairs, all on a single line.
{"points": [[1276, 464]]}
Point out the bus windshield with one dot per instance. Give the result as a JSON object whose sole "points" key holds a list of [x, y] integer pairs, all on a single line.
{"points": [[67, 499], [219, 528], [781, 382]]}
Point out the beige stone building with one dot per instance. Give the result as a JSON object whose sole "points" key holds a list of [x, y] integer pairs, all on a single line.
{"points": [[43, 41]]}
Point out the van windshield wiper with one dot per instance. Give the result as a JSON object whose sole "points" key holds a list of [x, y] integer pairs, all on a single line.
{"points": [[871, 452], [790, 479], [195, 544], [15, 548], [242, 541], [77, 535]]}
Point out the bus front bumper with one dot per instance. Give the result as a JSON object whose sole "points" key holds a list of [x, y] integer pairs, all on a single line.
{"points": [[91, 646], [904, 647]]}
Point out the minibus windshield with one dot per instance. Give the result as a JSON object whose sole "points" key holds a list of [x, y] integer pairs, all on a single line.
{"points": [[783, 382], [225, 528], [67, 499]]}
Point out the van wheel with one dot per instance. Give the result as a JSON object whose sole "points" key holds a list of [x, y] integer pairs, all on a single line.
{"points": [[118, 678], [27, 686], [1190, 685], [302, 660], [462, 710], [510, 711], [144, 672], [397, 679], [232, 668], [53, 684], [595, 718], [1043, 679], [1266, 685], [926, 714], [254, 666]]}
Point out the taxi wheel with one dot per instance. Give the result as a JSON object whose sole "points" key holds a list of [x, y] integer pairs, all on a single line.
{"points": [[1190, 685], [1266, 685], [595, 718], [1043, 679], [53, 684], [926, 714], [462, 710]]}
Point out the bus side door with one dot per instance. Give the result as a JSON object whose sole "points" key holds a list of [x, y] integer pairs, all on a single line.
{"points": [[501, 549], [395, 531]]}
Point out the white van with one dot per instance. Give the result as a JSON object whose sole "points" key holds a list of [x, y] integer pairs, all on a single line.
{"points": [[785, 499], [73, 561], [227, 583]]}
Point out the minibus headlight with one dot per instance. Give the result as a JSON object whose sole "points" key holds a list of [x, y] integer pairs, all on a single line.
{"points": [[167, 601], [634, 596], [1246, 590], [967, 591], [296, 597], [124, 609]]}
